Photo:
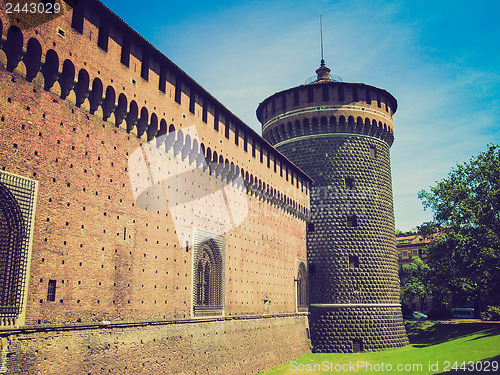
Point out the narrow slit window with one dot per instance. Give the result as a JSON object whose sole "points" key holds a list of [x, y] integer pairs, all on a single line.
{"points": [[357, 346], [302, 288], [310, 95], [341, 93], [205, 112], [103, 36], [353, 262], [326, 94], [177, 94], [216, 121], [373, 152], [78, 17], [192, 100]]}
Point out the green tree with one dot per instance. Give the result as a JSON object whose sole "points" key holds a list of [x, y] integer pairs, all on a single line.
{"points": [[465, 260], [428, 229], [416, 278]]}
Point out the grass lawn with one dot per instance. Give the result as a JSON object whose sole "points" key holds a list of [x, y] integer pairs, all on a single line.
{"points": [[435, 347]]}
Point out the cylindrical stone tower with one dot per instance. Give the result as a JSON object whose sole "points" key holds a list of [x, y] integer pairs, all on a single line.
{"points": [[340, 134]]}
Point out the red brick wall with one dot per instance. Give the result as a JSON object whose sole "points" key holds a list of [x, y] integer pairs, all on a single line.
{"points": [[85, 202], [78, 239], [114, 261]]}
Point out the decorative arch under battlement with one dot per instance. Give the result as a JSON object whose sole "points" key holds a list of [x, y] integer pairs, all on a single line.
{"points": [[90, 93], [38, 58], [307, 110]]}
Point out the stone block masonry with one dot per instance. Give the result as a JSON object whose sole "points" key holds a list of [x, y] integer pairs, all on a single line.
{"points": [[340, 133], [218, 346]]}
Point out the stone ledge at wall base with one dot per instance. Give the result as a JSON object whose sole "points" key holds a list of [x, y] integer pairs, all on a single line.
{"points": [[46, 327], [230, 345]]}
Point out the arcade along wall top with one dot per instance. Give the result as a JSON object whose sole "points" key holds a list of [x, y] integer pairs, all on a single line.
{"points": [[87, 48]]}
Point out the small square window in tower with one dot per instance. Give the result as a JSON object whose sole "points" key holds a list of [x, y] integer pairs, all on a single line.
{"points": [[373, 152], [352, 221], [208, 274]]}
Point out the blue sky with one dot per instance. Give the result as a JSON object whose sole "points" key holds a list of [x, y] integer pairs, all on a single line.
{"points": [[440, 59]]}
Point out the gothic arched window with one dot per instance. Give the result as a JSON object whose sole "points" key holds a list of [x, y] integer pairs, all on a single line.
{"points": [[203, 278], [208, 277], [11, 252], [17, 200]]}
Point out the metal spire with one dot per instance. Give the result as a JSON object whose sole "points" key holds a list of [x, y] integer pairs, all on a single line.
{"points": [[321, 33]]}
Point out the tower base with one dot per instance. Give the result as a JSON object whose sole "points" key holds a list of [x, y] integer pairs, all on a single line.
{"points": [[350, 328]]}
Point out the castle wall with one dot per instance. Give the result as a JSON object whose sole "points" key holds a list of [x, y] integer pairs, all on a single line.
{"points": [[245, 346], [74, 111]]}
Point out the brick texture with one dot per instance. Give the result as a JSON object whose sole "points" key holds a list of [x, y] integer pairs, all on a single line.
{"points": [[71, 115]]}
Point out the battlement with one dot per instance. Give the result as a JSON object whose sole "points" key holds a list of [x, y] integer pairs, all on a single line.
{"points": [[327, 107], [92, 58]]}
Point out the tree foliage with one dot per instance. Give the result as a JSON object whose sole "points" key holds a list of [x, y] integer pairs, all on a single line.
{"points": [[470, 196], [465, 261], [428, 229], [417, 285]]}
